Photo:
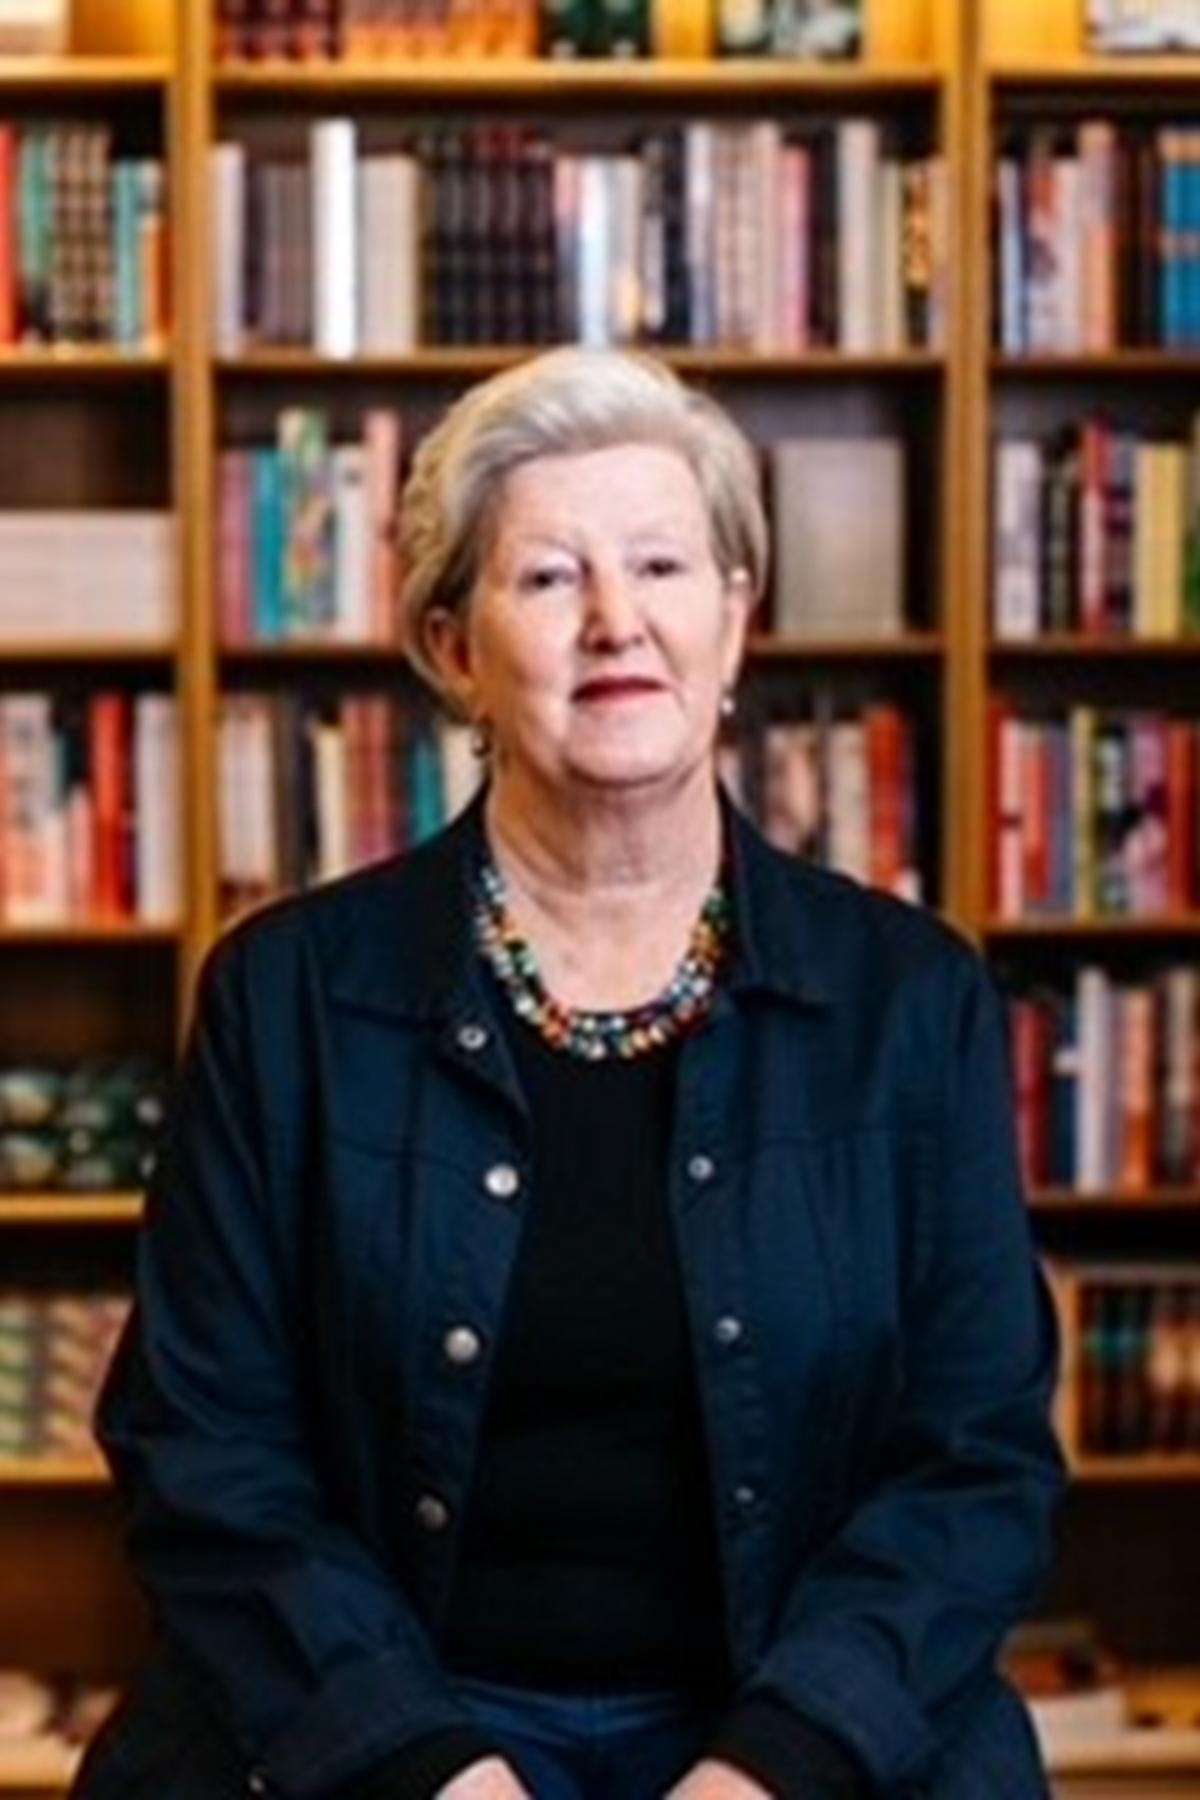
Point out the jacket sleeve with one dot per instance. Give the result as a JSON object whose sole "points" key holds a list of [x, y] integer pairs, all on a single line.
{"points": [[946, 1542], [317, 1663]]}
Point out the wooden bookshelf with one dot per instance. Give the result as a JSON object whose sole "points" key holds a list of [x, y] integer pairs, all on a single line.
{"points": [[52, 1472], [62, 1211], [961, 389], [1072, 1201], [555, 82], [475, 362]]}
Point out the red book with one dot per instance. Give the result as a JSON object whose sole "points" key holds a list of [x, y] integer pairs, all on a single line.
{"points": [[1181, 814], [1036, 823], [1094, 481], [233, 548], [111, 784]]}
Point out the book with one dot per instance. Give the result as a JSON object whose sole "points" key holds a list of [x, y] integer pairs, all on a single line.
{"points": [[838, 513]]}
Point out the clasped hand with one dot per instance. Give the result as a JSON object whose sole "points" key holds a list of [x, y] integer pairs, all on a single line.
{"points": [[493, 1779]]}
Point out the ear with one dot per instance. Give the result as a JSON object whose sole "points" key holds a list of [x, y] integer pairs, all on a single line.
{"points": [[740, 602], [447, 643]]}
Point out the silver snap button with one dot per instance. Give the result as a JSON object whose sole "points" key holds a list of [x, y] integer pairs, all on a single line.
{"points": [[701, 1167], [744, 1495], [432, 1514], [472, 1037], [727, 1330], [256, 1783], [462, 1345], [502, 1181]]}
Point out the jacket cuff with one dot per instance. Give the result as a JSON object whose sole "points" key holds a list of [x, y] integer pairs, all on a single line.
{"points": [[422, 1768], [791, 1758]]}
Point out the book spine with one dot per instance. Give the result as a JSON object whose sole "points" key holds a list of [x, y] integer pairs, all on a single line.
{"points": [[335, 237]]}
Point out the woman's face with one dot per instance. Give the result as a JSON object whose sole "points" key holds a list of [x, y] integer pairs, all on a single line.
{"points": [[601, 633]]}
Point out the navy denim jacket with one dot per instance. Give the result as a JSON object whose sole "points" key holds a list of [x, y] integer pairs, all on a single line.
{"points": [[344, 1185]]}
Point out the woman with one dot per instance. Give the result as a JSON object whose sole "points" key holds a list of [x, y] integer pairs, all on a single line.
{"points": [[587, 1338]]}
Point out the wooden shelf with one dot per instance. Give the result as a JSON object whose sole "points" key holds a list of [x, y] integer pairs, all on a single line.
{"points": [[69, 1209], [1155, 72], [56, 1472], [470, 361], [79, 651], [83, 74], [1167, 925], [1070, 1200], [92, 931], [913, 646], [1098, 365], [1053, 645], [1134, 1470], [79, 362], [542, 78]]}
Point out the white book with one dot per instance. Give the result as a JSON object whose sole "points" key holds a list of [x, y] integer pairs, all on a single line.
{"points": [[335, 236], [1017, 541], [100, 574], [328, 741], [766, 153], [940, 235], [838, 513], [1068, 230], [1094, 1091], [625, 219], [699, 229], [892, 333], [594, 231], [857, 242], [391, 303], [849, 799], [32, 892], [158, 848], [227, 189], [352, 544]]}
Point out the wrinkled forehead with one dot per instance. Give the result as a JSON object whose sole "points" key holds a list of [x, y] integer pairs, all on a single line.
{"points": [[626, 490]]}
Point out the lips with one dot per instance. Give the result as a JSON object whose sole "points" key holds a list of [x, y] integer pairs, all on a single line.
{"points": [[611, 687]]}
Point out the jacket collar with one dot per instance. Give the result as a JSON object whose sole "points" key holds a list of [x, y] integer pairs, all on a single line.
{"points": [[401, 940]]}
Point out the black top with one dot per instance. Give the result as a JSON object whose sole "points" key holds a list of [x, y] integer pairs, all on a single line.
{"points": [[588, 1558]]}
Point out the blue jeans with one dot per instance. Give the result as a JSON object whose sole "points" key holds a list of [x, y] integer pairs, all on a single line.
{"points": [[591, 1747]]}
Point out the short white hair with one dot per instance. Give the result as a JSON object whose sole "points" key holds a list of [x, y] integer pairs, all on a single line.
{"points": [[563, 402]]}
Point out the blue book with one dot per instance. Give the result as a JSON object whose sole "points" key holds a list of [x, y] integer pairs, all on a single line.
{"points": [[127, 308], [1172, 216], [267, 542]]}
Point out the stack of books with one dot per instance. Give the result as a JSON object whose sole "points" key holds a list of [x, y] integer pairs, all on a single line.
{"points": [[91, 1127], [54, 1351]]}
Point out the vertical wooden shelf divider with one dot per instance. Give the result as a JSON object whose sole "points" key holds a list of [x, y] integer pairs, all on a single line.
{"points": [[194, 426]]}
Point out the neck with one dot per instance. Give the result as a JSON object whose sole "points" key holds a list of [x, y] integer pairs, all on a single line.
{"points": [[599, 845]]}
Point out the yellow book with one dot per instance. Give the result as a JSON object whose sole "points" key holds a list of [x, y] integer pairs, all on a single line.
{"points": [[1025, 31], [899, 31], [1173, 523], [682, 28]]}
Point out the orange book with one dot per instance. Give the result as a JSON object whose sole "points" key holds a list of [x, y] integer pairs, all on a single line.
{"points": [[1135, 1051], [885, 779]]}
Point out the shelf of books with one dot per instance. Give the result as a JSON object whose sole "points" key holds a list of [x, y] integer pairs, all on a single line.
{"points": [[1088, 717]]}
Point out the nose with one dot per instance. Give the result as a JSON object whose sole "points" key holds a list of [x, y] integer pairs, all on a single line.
{"points": [[613, 616]]}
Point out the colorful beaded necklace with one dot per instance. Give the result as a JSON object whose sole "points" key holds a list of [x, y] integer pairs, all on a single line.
{"points": [[596, 1036]]}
